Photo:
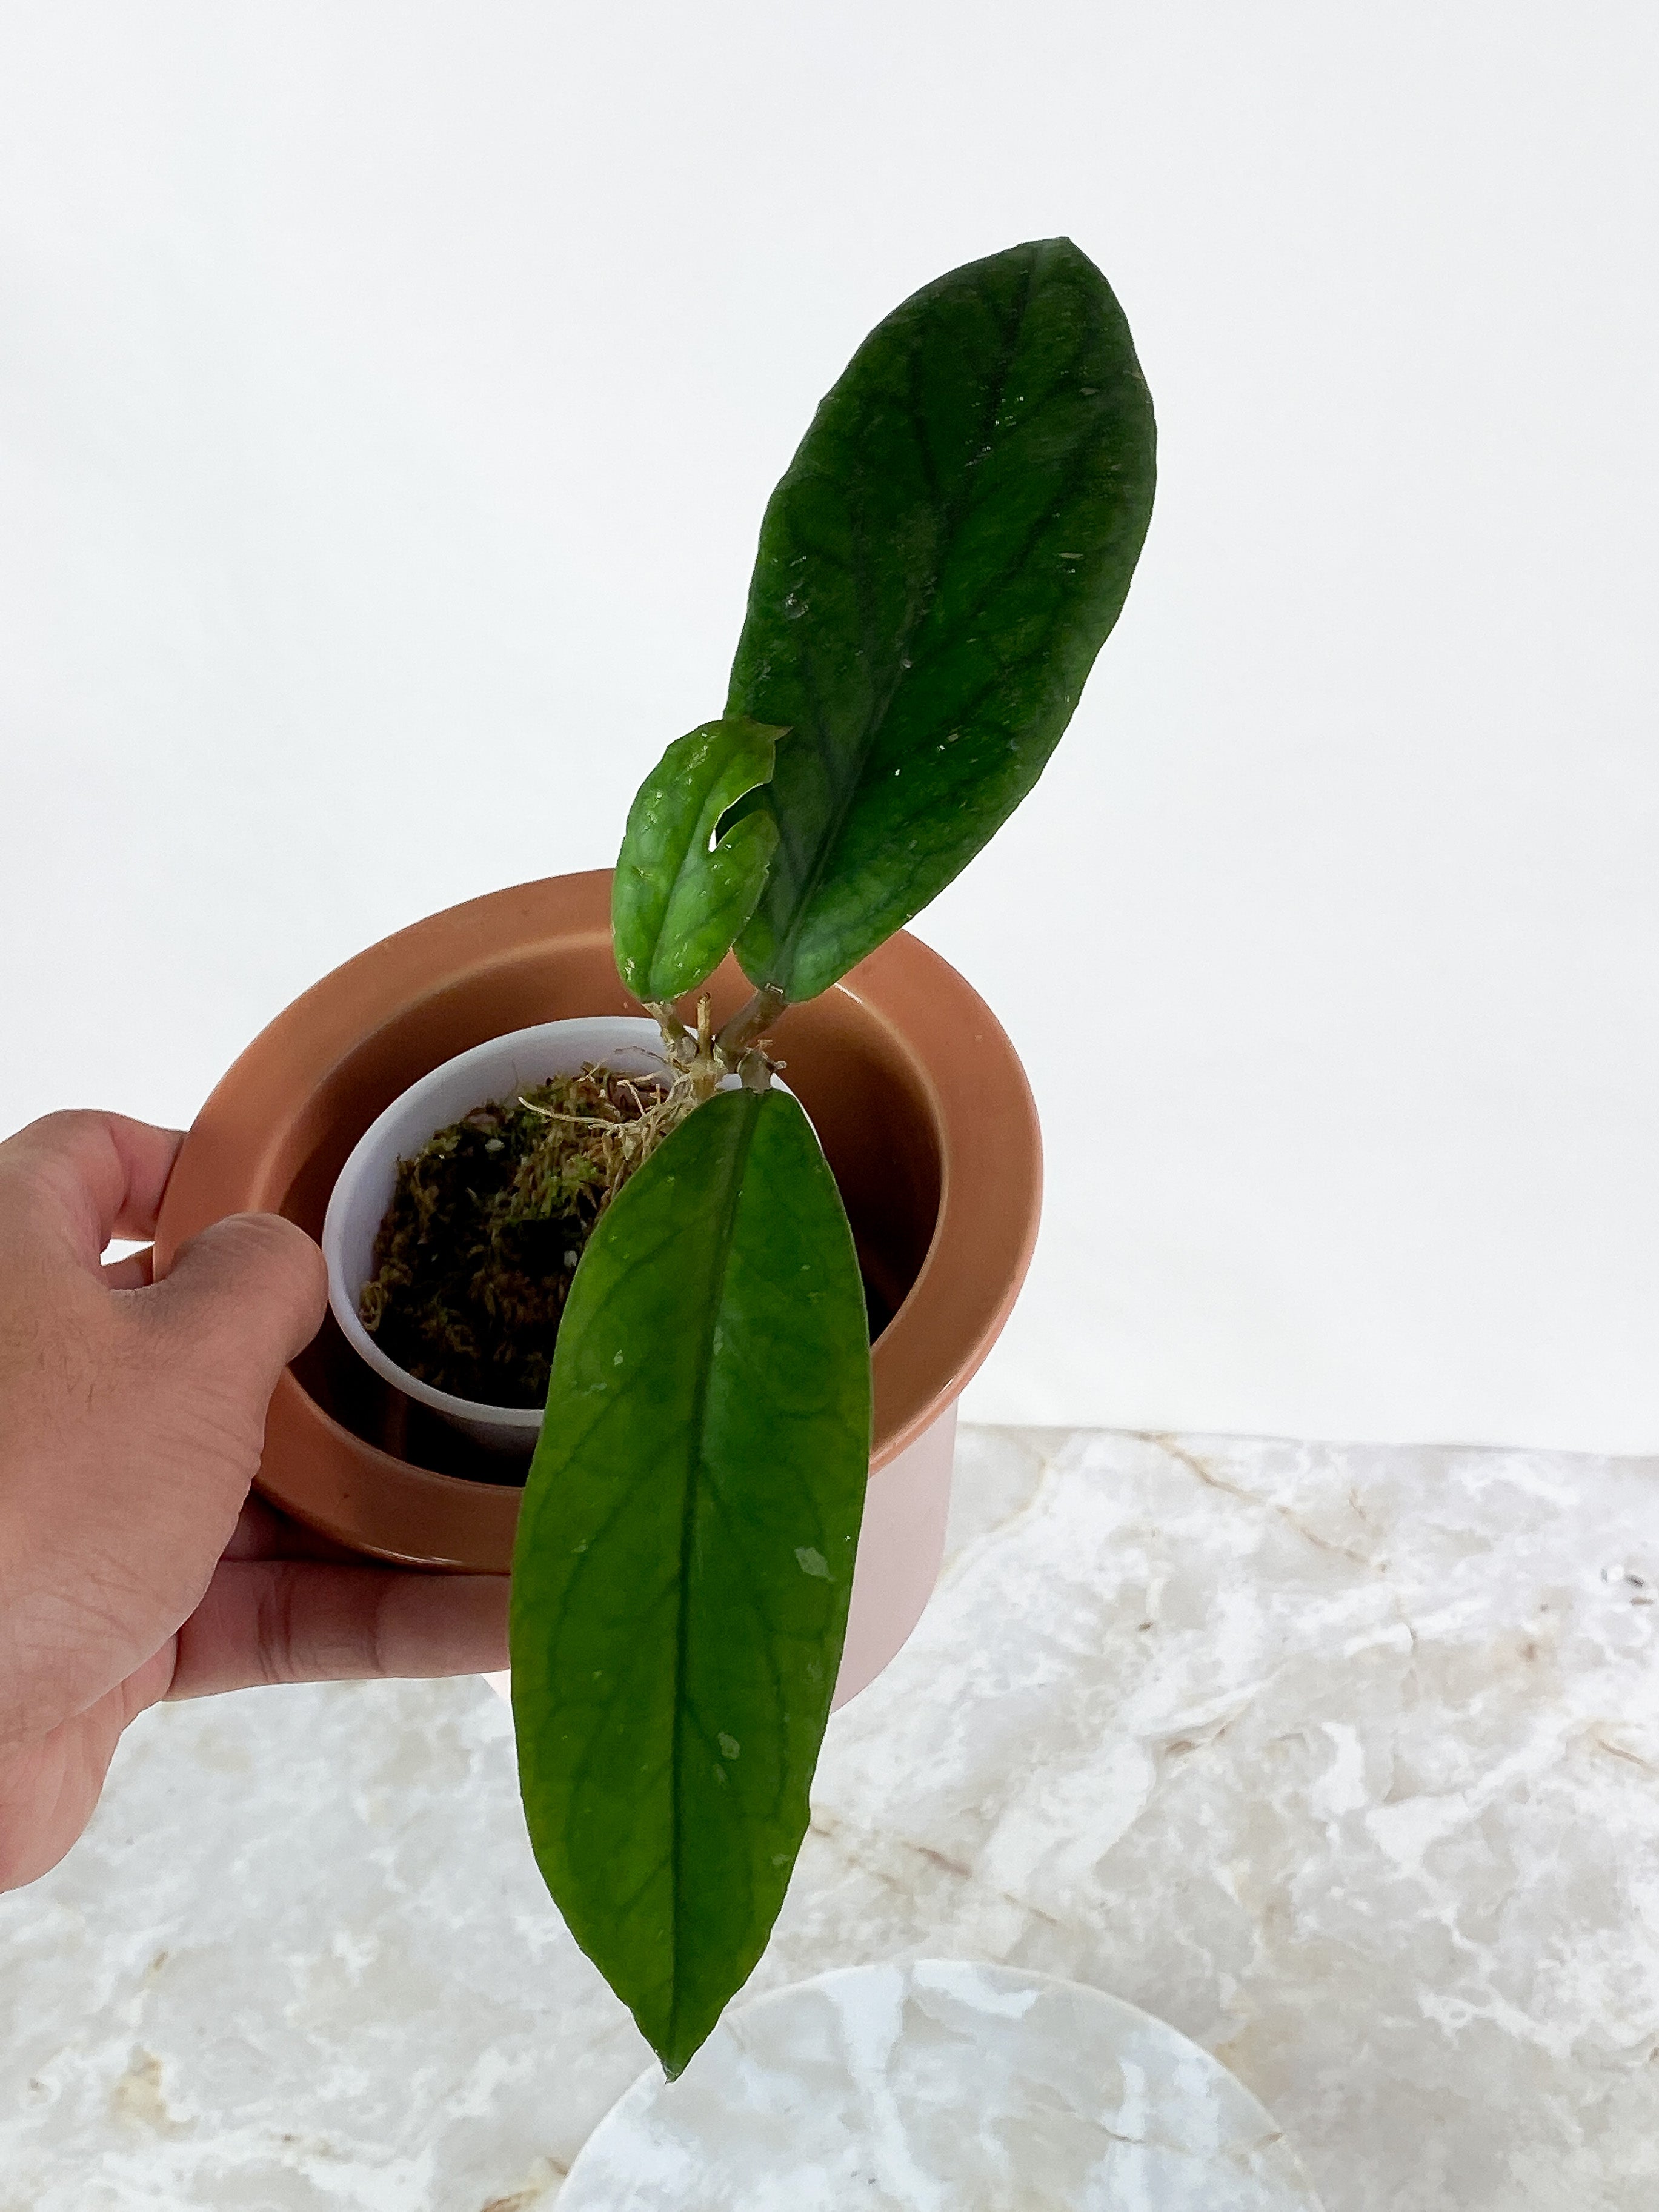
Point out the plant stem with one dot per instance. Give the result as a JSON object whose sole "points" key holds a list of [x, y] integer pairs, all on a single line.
{"points": [[750, 1022], [704, 1060], [673, 1029]]}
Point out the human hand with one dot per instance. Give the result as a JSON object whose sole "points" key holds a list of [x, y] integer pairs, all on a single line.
{"points": [[134, 1566]]}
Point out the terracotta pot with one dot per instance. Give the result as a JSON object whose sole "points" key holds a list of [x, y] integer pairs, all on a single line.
{"points": [[917, 1096]]}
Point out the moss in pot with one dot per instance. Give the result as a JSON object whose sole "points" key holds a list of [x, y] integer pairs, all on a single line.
{"points": [[937, 570], [475, 1258]]}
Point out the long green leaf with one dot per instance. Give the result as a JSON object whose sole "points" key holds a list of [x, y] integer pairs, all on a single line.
{"points": [[685, 1556], [937, 571], [680, 896]]}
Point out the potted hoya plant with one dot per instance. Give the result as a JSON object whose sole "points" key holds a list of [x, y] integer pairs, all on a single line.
{"points": [[605, 1286]]}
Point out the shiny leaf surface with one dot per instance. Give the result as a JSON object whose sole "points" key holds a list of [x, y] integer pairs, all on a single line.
{"points": [[680, 896], [685, 1557], [938, 568]]}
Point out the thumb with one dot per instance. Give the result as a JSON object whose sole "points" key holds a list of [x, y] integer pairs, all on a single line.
{"points": [[247, 1294]]}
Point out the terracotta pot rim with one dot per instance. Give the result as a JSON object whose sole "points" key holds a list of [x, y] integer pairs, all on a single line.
{"points": [[252, 1135]]}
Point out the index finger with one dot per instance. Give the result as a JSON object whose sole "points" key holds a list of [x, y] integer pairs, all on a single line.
{"points": [[86, 1177]]}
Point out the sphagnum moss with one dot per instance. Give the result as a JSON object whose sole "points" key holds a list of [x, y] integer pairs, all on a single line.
{"points": [[474, 1259]]}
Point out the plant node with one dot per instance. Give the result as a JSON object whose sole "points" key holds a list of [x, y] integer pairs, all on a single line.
{"points": [[697, 1056]]}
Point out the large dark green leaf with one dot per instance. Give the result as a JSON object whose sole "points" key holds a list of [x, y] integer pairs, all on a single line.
{"points": [[937, 571], [679, 895], [685, 1556]]}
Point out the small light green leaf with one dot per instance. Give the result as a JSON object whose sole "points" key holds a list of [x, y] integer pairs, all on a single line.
{"points": [[680, 896], [938, 568], [673, 1663]]}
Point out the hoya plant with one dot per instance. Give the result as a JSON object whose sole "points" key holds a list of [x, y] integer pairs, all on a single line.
{"points": [[937, 571]]}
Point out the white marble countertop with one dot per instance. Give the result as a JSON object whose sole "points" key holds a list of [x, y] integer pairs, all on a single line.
{"points": [[1346, 1762]]}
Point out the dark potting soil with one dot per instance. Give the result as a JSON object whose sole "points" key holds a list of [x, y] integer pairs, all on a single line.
{"points": [[474, 1260]]}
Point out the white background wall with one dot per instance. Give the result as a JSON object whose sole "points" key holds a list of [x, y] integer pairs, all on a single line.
{"points": [[388, 398]]}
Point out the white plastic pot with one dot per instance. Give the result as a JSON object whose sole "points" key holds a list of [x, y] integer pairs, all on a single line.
{"points": [[906, 1507], [627, 1045]]}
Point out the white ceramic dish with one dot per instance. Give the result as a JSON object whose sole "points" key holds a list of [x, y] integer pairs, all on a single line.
{"points": [[940, 2086]]}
